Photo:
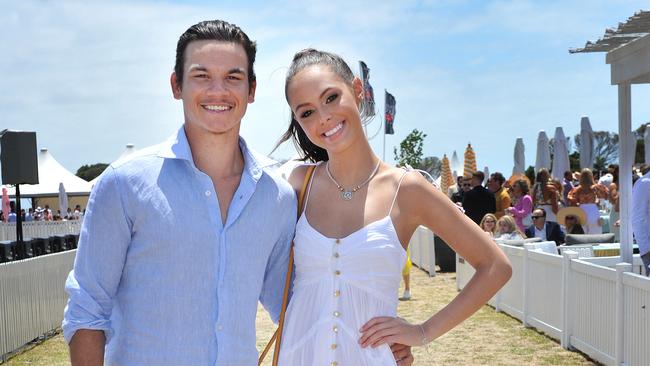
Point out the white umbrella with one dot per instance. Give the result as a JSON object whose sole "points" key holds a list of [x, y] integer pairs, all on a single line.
{"points": [[519, 156], [543, 158], [63, 200], [586, 144], [455, 164], [646, 139], [486, 172], [560, 155]]}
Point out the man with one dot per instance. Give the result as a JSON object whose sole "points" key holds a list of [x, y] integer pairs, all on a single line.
{"points": [[29, 216], [567, 186], [641, 216], [464, 186], [501, 196], [478, 201], [545, 230], [154, 286]]}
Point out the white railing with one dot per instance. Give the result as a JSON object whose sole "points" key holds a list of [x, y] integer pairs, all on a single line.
{"points": [[32, 298], [423, 253], [40, 229], [600, 311]]}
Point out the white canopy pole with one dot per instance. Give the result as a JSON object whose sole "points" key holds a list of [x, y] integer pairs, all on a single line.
{"points": [[625, 167]]}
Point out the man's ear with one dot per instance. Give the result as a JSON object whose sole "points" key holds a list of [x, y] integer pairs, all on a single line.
{"points": [[251, 91], [176, 88]]}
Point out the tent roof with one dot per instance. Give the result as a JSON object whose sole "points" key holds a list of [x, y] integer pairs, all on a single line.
{"points": [[50, 174], [128, 151], [637, 26]]}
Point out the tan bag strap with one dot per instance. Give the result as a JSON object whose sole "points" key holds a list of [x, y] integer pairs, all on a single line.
{"points": [[277, 336]]}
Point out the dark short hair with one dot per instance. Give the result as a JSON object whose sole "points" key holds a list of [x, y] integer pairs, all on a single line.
{"points": [[478, 174], [497, 176], [214, 30]]}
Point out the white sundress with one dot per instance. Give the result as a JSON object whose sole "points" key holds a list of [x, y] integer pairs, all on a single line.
{"points": [[340, 284]]}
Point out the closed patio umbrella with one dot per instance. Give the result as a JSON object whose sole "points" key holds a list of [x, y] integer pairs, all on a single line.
{"points": [[446, 180], [455, 165], [63, 200], [586, 144], [519, 157], [470, 161], [543, 158], [560, 155]]}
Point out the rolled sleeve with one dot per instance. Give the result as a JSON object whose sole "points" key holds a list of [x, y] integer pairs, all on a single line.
{"points": [[103, 243]]}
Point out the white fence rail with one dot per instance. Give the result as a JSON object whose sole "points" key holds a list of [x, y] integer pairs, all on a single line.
{"points": [[40, 229], [423, 253], [32, 297], [601, 311]]}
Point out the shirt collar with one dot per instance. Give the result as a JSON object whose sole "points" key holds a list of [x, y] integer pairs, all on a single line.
{"points": [[177, 147]]}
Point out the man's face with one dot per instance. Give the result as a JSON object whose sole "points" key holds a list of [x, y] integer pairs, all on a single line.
{"points": [[466, 185], [215, 89], [493, 185], [538, 218]]}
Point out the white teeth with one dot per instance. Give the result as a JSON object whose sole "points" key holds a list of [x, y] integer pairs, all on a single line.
{"points": [[216, 107], [334, 130]]}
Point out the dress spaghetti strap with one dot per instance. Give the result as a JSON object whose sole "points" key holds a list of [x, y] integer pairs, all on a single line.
{"points": [[311, 180], [397, 190]]}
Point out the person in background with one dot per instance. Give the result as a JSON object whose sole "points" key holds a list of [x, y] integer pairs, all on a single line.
{"points": [[501, 196], [586, 196], [546, 194], [464, 186], [507, 229], [567, 186], [641, 216], [489, 224], [455, 187], [613, 197], [545, 230], [29, 216], [47, 214], [572, 219], [77, 214], [478, 201], [523, 204]]}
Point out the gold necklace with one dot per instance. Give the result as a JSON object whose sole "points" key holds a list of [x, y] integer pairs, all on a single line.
{"points": [[347, 194]]}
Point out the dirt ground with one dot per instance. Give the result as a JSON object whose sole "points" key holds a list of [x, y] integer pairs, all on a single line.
{"points": [[487, 338]]}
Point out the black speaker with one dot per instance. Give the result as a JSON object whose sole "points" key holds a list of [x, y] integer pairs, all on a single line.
{"points": [[18, 157]]}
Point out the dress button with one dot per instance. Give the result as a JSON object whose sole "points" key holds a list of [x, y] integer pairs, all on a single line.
{"points": [[337, 272], [336, 314], [208, 193], [336, 255], [333, 346], [337, 293]]}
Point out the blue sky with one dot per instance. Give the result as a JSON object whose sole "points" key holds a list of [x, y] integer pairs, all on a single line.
{"points": [[90, 77]]}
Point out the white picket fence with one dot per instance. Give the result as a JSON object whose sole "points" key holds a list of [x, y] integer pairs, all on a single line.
{"points": [[32, 297], [423, 253], [601, 311], [40, 229]]}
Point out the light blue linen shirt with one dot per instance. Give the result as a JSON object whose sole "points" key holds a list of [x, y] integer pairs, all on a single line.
{"points": [[163, 278]]}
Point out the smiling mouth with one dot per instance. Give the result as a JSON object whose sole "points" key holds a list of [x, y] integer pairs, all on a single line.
{"points": [[217, 107], [334, 130]]}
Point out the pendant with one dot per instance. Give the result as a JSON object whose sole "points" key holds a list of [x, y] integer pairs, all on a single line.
{"points": [[346, 195]]}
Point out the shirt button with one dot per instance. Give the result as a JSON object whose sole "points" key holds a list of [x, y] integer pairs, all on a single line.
{"points": [[335, 329], [334, 363], [333, 346], [220, 327], [208, 193], [336, 314], [338, 241], [337, 272], [336, 255], [337, 293]]}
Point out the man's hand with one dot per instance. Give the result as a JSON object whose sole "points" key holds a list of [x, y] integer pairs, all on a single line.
{"points": [[402, 354]]}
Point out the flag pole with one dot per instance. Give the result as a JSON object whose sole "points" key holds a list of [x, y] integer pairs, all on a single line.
{"points": [[384, 150]]}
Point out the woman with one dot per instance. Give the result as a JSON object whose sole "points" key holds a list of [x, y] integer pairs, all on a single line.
{"points": [[507, 229], [523, 204], [489, 224], [572, 218], [351, 238], [586, 196], [546, 194], [613, 197]]}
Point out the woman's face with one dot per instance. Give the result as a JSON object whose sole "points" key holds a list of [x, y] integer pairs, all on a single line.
{"points": [[489, 224], [516, 190], [326, 107], [503, 227]]}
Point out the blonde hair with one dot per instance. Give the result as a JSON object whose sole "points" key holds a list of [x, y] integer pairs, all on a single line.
{"points": [[586, 178], [510, 224], [489, 216]]}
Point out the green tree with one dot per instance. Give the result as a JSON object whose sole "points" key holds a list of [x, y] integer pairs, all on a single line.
{"points": [[90, 172], [639, 155], [605, 148], [410, 150], [432, 165], [574, 161], [530, 174]]}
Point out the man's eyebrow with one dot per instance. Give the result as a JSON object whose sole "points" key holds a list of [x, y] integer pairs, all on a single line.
{"points": [[319, 97], [237, 70], [197, 67]]}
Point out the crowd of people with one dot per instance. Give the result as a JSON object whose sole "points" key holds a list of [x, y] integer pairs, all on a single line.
{"points": [[42, 214], [515, 209]]}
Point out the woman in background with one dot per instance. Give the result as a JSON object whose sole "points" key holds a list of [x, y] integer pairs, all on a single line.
{"points": [[489, 224]]}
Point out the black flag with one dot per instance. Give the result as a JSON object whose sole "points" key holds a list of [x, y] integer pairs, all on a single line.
{"points": [[389, 118]]}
